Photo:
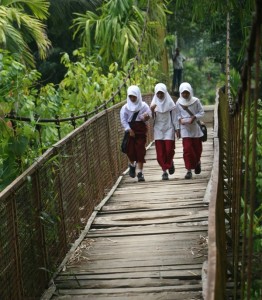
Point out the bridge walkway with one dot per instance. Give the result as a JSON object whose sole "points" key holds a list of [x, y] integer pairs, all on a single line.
{"points": [[147, 240]]}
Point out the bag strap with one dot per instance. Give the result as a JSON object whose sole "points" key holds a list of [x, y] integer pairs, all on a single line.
{"points": [[134, 116], [190, 112], [187, 109]]}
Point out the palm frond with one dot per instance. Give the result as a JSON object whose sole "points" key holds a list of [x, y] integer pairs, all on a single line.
{"points": [[36, 8], [18, 29]]}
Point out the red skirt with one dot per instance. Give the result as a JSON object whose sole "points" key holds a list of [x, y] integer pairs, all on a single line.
{"points": [[136, 147]]}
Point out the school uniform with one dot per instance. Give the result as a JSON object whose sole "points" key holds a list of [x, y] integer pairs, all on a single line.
{"points": [[165, 124], [136, 147], [190, 133]]}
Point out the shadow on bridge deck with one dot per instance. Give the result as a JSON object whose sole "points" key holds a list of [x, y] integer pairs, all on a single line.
{"points": [[148, 240]]}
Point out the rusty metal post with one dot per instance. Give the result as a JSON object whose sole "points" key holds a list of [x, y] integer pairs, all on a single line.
{"points": [[57, 122], [73, 121]]}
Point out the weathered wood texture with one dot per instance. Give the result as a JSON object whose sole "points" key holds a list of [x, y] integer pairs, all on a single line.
{"points": [[148, 241]]}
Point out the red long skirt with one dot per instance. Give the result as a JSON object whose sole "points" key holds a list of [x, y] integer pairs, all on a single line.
{"points": [[165, 151], [136, 147], [192, 150]]}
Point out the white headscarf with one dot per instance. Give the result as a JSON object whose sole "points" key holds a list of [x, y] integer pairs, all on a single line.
{"points": [[134, 91], [165, 104], [185, 86]]}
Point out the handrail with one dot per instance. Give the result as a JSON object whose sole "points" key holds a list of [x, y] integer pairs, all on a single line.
{"points": [[43, 211], [233, 270], [212, 197]]}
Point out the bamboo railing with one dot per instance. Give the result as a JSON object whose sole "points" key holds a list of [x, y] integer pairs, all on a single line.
{"points": [[234, 255]]}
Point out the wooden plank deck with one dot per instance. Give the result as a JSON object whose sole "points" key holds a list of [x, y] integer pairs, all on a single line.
{"points": [[148, 241]]}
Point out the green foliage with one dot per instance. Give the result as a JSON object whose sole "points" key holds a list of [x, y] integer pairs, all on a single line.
{"points": [[20, 24], [17, 93], [196, 20], [150, 71], [235, 82], [115, 31], [203, 79], [84, 87], [256, 226]]}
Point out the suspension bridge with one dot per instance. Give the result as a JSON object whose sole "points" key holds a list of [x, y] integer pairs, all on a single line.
{"points": [[75, 226], [146, 240]]}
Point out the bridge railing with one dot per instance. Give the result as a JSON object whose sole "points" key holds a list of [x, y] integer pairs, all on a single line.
{"points": [[234, 254], [44, 210]]}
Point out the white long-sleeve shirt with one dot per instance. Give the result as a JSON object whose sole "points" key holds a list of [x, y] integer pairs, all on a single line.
{"points": [[126, 115], [178, 61], [165, 125], [190, 130]]}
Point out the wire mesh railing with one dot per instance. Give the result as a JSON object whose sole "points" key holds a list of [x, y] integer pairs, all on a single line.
{"points": [[43, 211]]}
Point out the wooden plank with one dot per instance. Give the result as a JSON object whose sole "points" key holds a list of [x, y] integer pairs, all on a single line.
{"points": [[137, 296], [126, 283], [131, 207], [141, 219], [177, 259], [194, 238], [109, 232], [192, 273], [79, 291], [133, 270]]}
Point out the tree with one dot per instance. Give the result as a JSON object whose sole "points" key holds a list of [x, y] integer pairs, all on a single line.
{"points": [[193, 20], [20, 24], [115, 31], [58, 27]]}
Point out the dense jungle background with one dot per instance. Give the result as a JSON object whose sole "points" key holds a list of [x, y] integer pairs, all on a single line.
{"points": [[60, 59]]}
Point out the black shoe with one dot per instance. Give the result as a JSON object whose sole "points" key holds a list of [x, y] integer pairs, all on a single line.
{"points": [[132, 171], [188, 175], [198, 168], [172, 169], [165, 176], [140, 177]]}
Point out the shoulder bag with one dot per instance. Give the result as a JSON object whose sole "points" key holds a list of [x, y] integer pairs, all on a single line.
{"points": [[201, 124], [125, 139]]}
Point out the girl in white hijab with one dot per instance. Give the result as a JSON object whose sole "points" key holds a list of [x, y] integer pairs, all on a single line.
{"points": [[165, 126], [134, 115], [190, 110]]}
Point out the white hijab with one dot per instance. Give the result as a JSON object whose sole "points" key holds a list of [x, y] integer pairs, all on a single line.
{"points": [[134, 90], [165, 104], [185, 86]]}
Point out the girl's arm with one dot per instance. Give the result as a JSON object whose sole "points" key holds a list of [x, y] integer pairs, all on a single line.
{"points": [[200, 110], [146, 114], [124, 119]]}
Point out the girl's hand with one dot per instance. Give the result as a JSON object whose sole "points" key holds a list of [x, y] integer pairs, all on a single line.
{"points": [[178, 135], [146, 117], [192, 119], [153, 107], [131, 132], [187, 120]]}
